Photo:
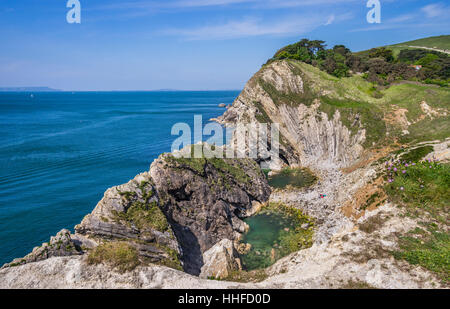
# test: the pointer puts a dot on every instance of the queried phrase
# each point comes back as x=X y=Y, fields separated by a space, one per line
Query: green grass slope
x=439 y=42
x=377 y=109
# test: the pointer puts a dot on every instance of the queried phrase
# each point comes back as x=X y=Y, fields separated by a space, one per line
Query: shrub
x=384 y=67
x=119 y=255
x=381 y=52
x=144 y=214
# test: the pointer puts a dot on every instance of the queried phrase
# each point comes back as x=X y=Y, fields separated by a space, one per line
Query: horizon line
x=151 y=90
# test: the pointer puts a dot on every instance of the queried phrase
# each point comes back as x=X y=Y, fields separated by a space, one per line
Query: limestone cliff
x=282 y=93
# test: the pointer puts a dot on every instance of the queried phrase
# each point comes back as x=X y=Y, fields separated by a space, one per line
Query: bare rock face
x=281 y=93
x=59 y=245
x=205 y=200
x=131 y=211
x=220 y=260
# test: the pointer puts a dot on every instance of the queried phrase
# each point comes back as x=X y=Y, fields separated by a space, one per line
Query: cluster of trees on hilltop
x=378 y=65
x=314 y=52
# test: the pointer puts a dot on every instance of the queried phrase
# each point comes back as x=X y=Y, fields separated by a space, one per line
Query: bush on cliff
x=144 y=214
x=119 y=255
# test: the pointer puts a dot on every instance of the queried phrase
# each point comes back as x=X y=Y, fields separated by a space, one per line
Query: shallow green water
x=266 y=230
x=294 y=177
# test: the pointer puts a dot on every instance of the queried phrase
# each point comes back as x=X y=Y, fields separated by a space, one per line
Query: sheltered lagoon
x=291 y=177
x=275 y=231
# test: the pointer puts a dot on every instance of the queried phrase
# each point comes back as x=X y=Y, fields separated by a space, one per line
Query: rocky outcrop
x=59 y=245
x=205 y=200
x=131 y=211
x=220 y=260
x=353 y=259
x=350 y=255
x=171 y=215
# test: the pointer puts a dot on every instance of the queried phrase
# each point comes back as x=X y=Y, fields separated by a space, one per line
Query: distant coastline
x=47 y=89
x=28 y=89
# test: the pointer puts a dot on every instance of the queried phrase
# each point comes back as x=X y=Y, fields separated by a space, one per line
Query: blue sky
x=187 y=44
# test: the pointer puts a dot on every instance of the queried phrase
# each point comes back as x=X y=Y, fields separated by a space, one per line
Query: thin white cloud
x=152 y=5
x=333 y=19
x=402 y=21
x=330 y=20
x=260 y=4
x=249 y=27
x=302 y=3
x=414 y=19
x=202 y=3
x=379 y=27
x=435 y=10
x=401 y=18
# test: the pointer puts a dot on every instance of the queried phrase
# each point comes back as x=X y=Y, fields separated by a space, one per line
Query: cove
x=294 y=177
x=275 y=232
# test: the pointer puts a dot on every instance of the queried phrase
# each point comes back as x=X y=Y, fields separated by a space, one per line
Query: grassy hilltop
x=394 y=101
x=441 y=42
x=382 y=65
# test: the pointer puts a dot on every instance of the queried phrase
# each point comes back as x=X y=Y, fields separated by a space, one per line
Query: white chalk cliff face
x=344 y=251
x=307 y=135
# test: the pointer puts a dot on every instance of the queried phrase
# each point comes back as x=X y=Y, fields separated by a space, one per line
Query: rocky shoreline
x=187 y=214
x=158 y=214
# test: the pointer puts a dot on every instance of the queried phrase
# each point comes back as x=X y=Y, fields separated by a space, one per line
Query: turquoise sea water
x=60 y=151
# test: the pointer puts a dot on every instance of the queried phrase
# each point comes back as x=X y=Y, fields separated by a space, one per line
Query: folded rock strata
x=281 y=93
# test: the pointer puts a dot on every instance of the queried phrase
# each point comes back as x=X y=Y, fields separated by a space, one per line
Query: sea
x=60 y=151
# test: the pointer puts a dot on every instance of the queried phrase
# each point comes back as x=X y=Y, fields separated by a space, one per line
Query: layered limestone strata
x=279 y=93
